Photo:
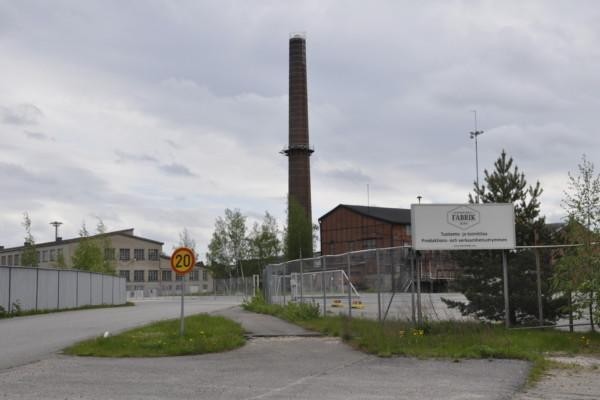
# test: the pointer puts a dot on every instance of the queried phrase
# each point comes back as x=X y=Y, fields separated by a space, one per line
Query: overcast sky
x=158 y=115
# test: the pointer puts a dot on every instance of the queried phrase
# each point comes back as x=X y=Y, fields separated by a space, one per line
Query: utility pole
x=474 y=135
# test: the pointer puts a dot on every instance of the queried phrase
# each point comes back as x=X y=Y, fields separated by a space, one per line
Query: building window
x=44 y=255
x=37 y=256
x=59 y=253
x=138 y=254
x=166 y=276
x=124 y=274
x=152 y=276
x=205 y=287
x=3 y=260
x=178 y=277
x=10 y=258
x=109 y=253
x=204 y=275
x=152 y=254
x=408 y=231
x=53 y=255
x=370 y=243
x=194 y=276
x=124 y=254
x=138 y=276
x=17 y=259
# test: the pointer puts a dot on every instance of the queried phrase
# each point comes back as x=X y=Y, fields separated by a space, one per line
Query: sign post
x=183 y=260
x=489 y=226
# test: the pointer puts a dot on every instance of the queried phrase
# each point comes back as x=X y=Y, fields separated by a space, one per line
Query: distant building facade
x=139 y=260
x=352 y=228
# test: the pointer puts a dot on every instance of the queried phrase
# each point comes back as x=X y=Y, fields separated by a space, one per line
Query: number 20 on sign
x=183 y=260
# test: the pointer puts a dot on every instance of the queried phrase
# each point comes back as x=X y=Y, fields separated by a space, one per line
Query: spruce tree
x=481 y=271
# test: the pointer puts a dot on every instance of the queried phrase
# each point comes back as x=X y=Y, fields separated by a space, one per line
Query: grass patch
x=203 y=334
x=17 y=312
x=449 y=339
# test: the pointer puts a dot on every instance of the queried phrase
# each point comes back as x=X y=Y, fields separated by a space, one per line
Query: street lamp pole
x=474 y=135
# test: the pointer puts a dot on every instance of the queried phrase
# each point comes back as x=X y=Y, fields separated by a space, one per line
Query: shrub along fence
x=55 y=289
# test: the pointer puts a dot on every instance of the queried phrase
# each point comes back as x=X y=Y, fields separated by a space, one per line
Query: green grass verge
x=452 y=339
x=17 y=312
x=203 y=334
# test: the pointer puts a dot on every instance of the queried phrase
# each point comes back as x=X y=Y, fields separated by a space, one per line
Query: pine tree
x=481 y=271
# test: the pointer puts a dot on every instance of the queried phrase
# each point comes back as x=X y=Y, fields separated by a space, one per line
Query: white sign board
x=463 y=226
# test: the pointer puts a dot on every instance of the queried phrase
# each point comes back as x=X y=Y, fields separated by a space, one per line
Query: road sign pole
x=183 y=261
x=182 y=323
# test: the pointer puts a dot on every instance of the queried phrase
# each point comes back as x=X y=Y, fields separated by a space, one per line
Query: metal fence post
x=506 y=301
x=301 y=278
x=348 y=260
x=9 y=289
x=76 y=288
x=378 y=285
x=323 y=284
x=58 y=291
x=419 y=310
x=538 y=271
x=412 y=285
x=283 y=282
x=37 y=287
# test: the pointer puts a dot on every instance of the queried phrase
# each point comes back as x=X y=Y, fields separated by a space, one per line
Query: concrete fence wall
x=57 y=289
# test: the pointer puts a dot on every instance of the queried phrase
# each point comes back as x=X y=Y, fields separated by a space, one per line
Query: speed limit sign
x=183 y=260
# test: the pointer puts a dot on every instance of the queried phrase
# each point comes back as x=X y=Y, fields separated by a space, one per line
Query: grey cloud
x=176 y=169
x=68 y=184
x=172 y=144
x=349 y=175
x=22 y=114
x=123 y=157
x=37 y=135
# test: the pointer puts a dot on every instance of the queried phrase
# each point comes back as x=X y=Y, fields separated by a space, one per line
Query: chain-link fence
x=397 y=283
x=236 y=286
x=375 y=283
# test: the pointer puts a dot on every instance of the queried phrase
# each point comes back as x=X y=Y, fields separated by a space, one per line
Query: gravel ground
x=581 y=380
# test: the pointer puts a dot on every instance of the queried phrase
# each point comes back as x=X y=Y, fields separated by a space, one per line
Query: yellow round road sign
x=183 y=260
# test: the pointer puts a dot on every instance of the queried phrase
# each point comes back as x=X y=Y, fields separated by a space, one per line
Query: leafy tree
x=299 y=234
x=104 y=242
x=264 y=243
x=186 y=240
x=481 y=271
x=29 y=257
x=60 y=261
x=578 y=271
x=228 y=245
x=90 y=252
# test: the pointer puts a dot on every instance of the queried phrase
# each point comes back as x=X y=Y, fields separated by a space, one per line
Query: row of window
x=166 y=276
x=125 y=254
x=52 y=255
x=42 y=256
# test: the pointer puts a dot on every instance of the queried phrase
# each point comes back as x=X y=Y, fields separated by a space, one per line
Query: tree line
x=570 y=275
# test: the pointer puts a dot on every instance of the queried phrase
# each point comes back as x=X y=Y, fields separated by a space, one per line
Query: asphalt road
x=272 y=367
x=27 y=339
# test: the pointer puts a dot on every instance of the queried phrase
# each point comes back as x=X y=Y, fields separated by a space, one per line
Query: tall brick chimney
x=299 y=150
